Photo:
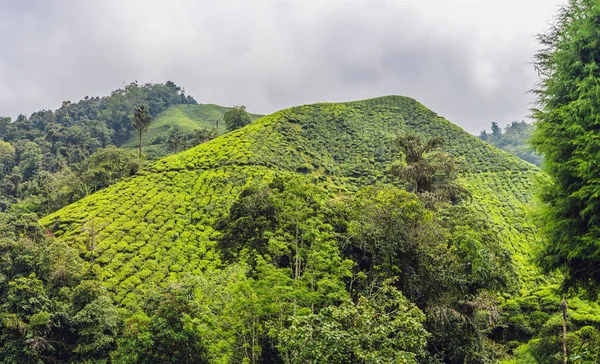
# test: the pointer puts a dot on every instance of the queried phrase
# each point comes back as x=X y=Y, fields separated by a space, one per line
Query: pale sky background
x=468 y=60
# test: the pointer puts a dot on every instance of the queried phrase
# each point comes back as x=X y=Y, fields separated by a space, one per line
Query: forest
x=144 y=227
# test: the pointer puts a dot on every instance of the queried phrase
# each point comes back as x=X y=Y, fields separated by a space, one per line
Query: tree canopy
x=236 y=118
x=567 y=122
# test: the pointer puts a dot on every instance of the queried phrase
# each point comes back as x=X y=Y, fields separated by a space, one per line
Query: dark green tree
x=496 y=131
x=236 y=118
x=566 y=136
x=165 y=332
x=106 y=166
x=7 y=157
x=48 y=313
x=383 y=327
x=141 y=122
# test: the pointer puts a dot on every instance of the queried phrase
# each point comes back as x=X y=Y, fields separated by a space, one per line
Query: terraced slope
x=185 y=117
x=157 y=225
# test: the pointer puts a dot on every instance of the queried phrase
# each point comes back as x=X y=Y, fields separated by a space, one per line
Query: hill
x=185 y=118
x=513 y=139
x=347 y=144
x=160 y=225
x=43 y=157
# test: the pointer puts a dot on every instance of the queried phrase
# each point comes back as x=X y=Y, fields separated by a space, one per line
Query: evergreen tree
x=566 y=136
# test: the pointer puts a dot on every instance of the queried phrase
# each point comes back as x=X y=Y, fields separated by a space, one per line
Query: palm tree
x=141 y=122
x=428 y=170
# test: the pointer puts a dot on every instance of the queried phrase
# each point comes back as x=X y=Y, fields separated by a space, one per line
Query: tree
x=444 y=261
x=383 y=327
x=496 y=131
x=141 y=122
x=48 y=313
x=236 y=118
x=429 y=171
x=107 y=166
x=177 y=139
x=7 y=156
x=566 y=130
x=165 y=332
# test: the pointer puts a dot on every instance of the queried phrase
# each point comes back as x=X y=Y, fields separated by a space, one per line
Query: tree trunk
x=140 y=144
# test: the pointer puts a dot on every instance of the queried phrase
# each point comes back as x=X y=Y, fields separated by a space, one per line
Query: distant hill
x=513 y=139
x=185 y=118
x=43 y=155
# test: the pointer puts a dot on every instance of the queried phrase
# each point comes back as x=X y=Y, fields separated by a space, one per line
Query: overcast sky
x=468 y=60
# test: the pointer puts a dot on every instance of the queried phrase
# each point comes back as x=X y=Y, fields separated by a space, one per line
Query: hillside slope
x=156 y=226
x=185 y=118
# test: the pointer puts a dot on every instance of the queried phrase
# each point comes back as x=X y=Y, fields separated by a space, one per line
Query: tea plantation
x=157 y=225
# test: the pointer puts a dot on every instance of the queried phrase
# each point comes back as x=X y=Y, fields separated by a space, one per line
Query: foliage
x=107 y=166
x=444 y=262
x=38 y=154
x=49 y=310
x=535 y=318
x=429 y=172
x=565 y=135
x=259 y=216
x=236 y=118
x=164 y=332
x=514 y=139
x=381 y=328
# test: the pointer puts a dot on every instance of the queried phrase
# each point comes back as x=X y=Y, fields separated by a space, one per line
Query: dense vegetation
x=54 y=158
x=372 y=231
x=513 y=139
x=284 y=230
x=567 y=136
x=43 y=156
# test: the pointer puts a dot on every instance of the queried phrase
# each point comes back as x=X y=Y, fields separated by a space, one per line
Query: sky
x=467 y=60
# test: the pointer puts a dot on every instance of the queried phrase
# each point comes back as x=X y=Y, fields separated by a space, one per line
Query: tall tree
x=566 y=135
x=141 y=122
x=236 y=118
x=7 y=156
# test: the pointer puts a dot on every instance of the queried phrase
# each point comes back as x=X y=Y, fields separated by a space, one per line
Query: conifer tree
x=567 y=136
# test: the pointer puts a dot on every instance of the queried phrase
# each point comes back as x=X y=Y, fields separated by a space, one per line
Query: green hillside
x=160 y=224
x=185 y=118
